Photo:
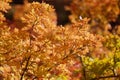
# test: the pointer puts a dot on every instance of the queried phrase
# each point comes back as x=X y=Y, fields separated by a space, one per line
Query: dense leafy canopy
x=34 y=47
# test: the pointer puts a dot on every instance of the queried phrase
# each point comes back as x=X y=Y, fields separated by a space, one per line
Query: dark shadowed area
x=62 y=14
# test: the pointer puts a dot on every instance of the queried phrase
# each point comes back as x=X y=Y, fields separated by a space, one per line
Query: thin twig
x=26 y=67
x=83 y=68
x=28 y=60
x=71 y=53
x=104 y=77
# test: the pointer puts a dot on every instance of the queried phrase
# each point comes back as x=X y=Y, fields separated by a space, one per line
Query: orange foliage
x=37 y=48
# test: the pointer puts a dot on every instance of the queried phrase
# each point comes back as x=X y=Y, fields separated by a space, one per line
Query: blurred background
x=62 y=14
x=59 y=5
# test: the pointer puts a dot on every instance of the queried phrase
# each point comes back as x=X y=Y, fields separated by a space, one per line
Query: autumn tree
x=101 y=13
x=35 y=47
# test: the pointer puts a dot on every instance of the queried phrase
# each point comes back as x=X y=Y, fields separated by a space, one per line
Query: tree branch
x=104 y=77
x=26 y=67
x=83 y=68
x=28 y=59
